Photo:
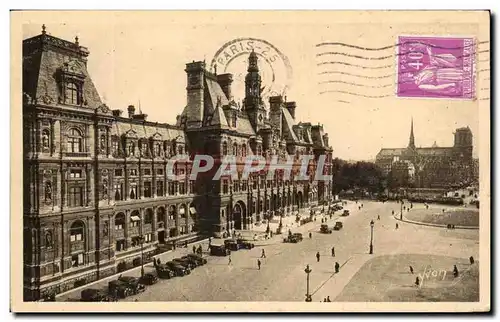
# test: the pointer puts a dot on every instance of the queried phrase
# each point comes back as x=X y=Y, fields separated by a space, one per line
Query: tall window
x=157 y=149
x=147 y=189
x=235 y=149
x=159 y=188
x=130 y=148
x=76 y=231
x=119 y=221
x=224 y=148
x=182 y=188
x=244 y=150
x=118 y=191
x=72 y=94
x=114 y=146
x=225 y=187
x=133 y=192
x=75 y=197
x=74 y=141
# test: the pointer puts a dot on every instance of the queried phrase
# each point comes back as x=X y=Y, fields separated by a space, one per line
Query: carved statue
x=48 y=239
x=48 y=191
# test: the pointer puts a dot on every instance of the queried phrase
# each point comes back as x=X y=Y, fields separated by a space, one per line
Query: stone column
x=126 y=228
x=154 y=237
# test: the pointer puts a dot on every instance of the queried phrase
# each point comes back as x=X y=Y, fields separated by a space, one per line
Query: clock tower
x=253 y=103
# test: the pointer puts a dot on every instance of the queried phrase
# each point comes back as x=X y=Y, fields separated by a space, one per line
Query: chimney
x=195 y=73
x=290 y=106
x=325 y=139
x=131 y=111
x=117 y=113
x=225 y=81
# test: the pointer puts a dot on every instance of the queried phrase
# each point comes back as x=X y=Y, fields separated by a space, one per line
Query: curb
x=138 y=268
x=431 y=225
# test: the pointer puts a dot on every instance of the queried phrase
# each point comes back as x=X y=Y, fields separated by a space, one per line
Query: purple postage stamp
x=436 y=67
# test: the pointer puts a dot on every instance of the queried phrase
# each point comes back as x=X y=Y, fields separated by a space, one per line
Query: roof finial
x=140 y=111
x=76 y=41
x=43 y=29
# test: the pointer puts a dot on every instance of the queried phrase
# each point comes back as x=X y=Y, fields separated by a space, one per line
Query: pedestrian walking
x=411 y=269
x=393 y=212
x=378 y=217
x=471 y=259
x=318 y=256
x=333 y=251
x=310 y=235
x=455 y=271
x=263 y=254
x=229 y=262
x=337 y=267
x=417 y=281
x=397 y=225
x=258 y=263
x=194 y=249
x=328 y=299
x=324 y=300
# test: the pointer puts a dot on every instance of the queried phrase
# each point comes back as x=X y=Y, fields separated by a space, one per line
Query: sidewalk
x=74 y=294
x=397 y=217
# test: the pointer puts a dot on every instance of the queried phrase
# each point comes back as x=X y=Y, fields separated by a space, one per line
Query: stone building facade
x=95 y=185
x=431 y=167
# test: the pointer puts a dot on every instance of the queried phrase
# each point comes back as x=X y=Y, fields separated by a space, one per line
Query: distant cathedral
x=431 y=167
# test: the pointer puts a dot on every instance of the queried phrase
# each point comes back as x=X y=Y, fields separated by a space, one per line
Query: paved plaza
x=282 y=276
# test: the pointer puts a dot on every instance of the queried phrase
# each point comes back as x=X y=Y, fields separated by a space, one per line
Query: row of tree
x=359 y=175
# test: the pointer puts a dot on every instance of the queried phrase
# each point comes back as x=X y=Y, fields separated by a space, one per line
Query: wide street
x=282 y=276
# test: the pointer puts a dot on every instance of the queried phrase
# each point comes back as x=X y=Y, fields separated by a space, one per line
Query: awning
x=135 y=218
x=192 y=210
x=181 y=211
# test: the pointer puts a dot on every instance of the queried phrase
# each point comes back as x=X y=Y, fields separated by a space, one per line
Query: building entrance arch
x=239 y=215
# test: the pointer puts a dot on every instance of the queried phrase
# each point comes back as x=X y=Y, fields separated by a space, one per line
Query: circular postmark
x=274 y=66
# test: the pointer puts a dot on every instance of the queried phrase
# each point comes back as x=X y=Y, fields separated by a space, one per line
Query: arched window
x=77 y=231
x=148 y=217
x=45 y=139
x=120 y=221
x=72 y=94
x=224 y=148
x=235 y=149
x=75 y=140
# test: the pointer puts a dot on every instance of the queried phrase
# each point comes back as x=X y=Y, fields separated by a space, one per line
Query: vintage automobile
x=163 y=271
x=148 y=279
x=324 y=229
x=293 y=238
x=178 y=269
x=120 y=289
x=232 y=245
x=338 y=225
x=134 y=283
x=185 y=262
x=346 y=213
x=197 y=258
x=219 y=250
x=94 y=295
x=245 y=243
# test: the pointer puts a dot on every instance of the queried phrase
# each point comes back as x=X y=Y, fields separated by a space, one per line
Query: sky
x=139 y=58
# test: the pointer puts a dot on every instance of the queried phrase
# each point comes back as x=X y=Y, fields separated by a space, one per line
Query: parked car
x=94 y=295
x=200 y=260
x=194 y=262
x=325 y=229
x=185 y=262
x=164 y=271
x=149 y=279
x=178 y=269
x=232 y=245
x=338 y=225
x=346 y=213
x=245 y=243
x=219 y=250
x=134 y=283
x=120 y=289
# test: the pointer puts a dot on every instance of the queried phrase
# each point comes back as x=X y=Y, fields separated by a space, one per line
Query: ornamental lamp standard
x=141 y=240
x=371 y=236
x=308 y=296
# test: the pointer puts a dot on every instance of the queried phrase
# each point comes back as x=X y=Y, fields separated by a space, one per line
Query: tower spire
x=411 y=144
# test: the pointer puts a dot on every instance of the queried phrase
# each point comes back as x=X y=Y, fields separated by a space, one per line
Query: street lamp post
x=142 y=255
x=371 y=236
x=401 y=215
x=308 y=296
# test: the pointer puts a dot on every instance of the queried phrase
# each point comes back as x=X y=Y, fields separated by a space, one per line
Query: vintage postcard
x=265 y=161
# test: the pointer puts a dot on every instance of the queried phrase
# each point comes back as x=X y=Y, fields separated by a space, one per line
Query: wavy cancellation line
x=393 y=46
x=355 y=65
x=363 y=85
x=328 y=72
x=334 y=53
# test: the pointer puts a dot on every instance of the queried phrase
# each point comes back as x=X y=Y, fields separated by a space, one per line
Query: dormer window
x=72 y=94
